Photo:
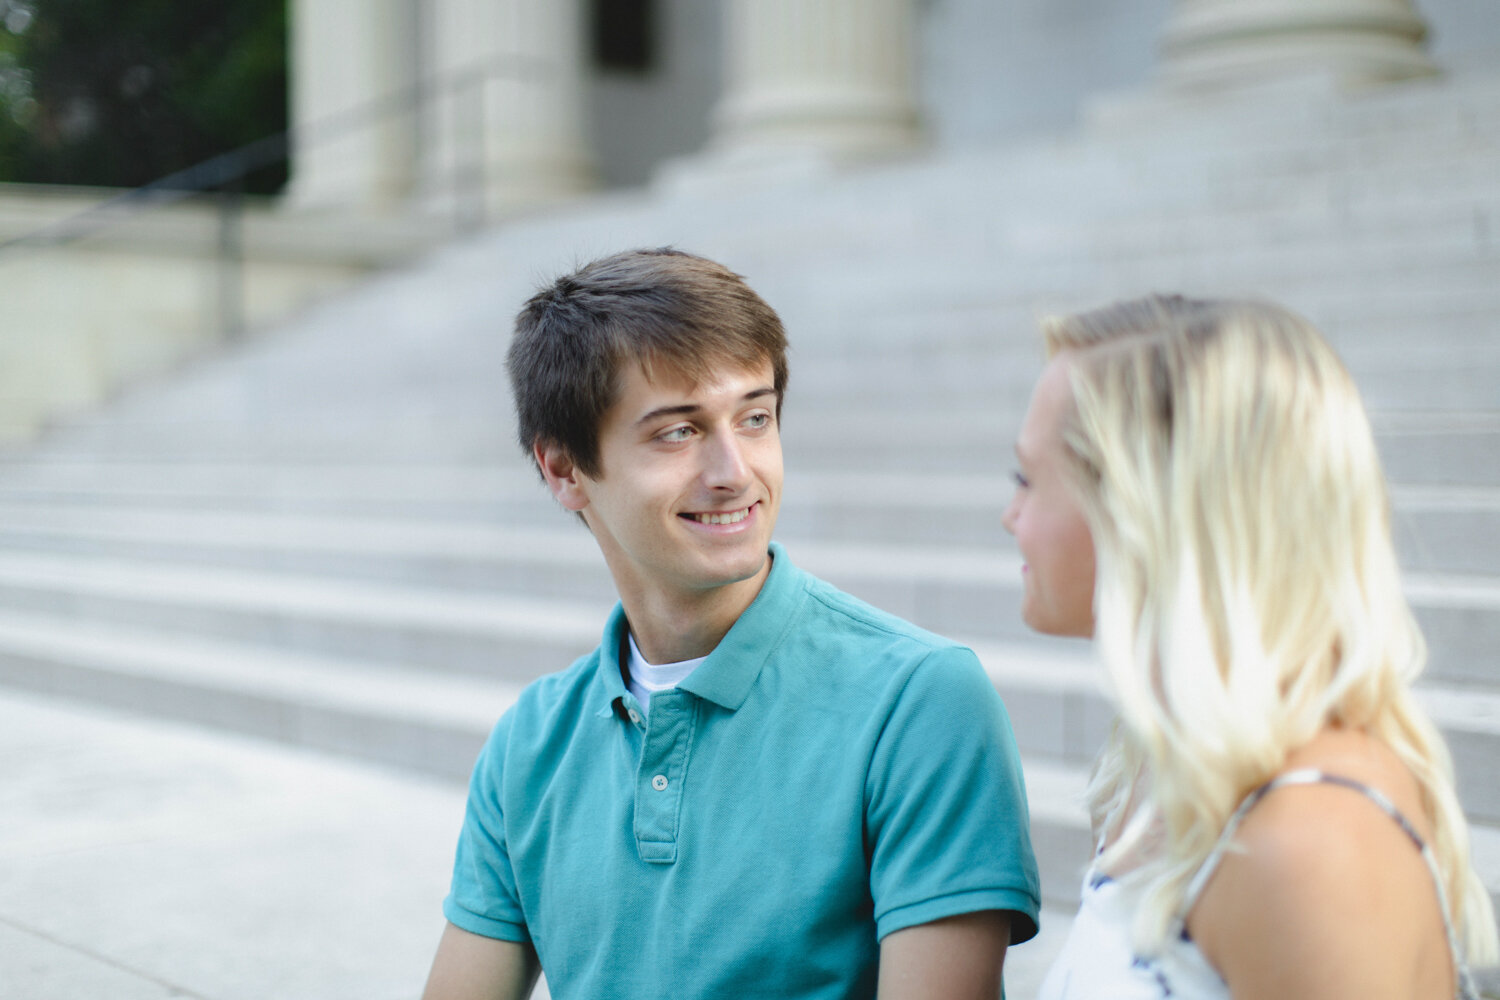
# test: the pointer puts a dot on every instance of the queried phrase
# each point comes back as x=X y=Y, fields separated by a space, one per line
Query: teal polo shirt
x=828 y=775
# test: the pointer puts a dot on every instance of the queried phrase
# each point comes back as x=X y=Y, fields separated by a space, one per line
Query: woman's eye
x=1021 y=481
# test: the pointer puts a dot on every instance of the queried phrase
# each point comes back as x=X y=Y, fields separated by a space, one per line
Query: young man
x=757 y=786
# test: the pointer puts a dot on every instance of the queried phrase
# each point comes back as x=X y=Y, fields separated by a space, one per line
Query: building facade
x=504 y=104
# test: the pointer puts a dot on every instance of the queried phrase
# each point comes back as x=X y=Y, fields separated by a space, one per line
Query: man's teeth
x=731 y=518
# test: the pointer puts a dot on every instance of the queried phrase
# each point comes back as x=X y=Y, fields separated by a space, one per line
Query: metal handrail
x=225 y=172
x=224 y=175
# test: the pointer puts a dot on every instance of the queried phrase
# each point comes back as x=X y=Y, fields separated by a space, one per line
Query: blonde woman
x=1198 y=491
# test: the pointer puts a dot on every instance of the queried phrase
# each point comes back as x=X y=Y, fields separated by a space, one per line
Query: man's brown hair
x=663 y=309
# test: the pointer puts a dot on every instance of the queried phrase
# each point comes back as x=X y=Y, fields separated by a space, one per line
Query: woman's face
x=1044 y=516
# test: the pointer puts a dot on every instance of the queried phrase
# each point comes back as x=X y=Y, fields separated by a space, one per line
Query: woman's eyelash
x=1021 y=480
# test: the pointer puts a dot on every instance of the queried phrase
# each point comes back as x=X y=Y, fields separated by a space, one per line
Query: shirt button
x=659 y=782
x=635 y=717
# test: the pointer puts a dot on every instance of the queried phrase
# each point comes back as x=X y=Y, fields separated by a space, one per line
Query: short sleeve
x=482 y=899
x=948 y=825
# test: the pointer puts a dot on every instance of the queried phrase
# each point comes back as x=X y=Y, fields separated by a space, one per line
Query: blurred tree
x=124 y=92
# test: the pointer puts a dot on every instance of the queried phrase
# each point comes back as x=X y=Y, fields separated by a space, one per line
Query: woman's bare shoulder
x=1318 y=895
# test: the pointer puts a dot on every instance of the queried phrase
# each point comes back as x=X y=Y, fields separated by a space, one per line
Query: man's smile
x=725 y=517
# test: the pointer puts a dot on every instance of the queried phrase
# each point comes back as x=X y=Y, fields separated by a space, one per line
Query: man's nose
x=726 y=464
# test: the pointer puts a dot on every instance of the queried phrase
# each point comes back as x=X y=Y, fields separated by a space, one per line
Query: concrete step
x=412 y=718
x=833 y=394
x=367 y=524
x=1059 y=710
x=1297 y=252
x=1190 y=163
x=351 y=585
x=419 y=720
x=422 y=537
x=510 y=636
x=466 y=491
x=549 y=593
x=308 y=422
x=999 y=385
x=439 y=547
x=1455 y=448
x=1000 y=324
x=1445 y=228
x=1452 y=374
x=501 y=554
x=1332 y=296
x=977 y=594
x=1447 y=529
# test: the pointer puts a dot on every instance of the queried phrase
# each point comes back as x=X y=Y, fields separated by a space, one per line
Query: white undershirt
x=648 y=678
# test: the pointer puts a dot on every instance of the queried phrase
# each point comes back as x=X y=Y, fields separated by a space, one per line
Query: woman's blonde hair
x=1247 y=594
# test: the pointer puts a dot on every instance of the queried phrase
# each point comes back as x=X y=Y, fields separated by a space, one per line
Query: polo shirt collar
x=727 y=676
x=730 y=671
x=610 y=677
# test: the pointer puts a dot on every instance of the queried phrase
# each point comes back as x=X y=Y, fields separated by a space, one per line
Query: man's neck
x=670 y=628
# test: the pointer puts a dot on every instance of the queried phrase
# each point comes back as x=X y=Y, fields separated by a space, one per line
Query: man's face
x=689 y=483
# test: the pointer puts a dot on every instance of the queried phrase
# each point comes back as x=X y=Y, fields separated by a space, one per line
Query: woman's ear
x=562 y=475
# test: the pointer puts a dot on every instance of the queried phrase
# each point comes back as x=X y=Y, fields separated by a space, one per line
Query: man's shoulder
x=562 y=693
x=862 y=621
x=851 y=640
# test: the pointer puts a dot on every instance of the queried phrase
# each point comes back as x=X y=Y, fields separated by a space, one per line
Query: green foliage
x=125 y=92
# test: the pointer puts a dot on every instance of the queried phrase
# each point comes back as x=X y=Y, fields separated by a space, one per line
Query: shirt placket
x=661 y=776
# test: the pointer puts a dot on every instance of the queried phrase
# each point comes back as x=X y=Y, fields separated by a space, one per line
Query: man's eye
x=758 y=420
x=676 y=435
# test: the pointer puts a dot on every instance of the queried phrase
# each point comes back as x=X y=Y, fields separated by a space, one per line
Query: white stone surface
x=830 y=76
x=144 y=861
x=353 y=64
x=1218 y=43
x=506 y=130
x=149 y=860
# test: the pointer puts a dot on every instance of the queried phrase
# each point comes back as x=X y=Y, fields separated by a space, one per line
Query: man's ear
x=562 y=475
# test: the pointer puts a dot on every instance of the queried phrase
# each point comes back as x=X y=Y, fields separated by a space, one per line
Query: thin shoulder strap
x=1313 y=776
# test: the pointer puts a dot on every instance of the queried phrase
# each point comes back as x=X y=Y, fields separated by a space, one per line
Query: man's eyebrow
x=680 y=410
x=684 y=409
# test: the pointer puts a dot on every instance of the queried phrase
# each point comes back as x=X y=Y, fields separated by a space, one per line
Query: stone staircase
x=329 y=538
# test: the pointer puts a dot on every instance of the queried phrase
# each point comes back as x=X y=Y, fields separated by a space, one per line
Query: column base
x=1217 y=46
x=798 y=136
x=846 y=124
x=505 y=190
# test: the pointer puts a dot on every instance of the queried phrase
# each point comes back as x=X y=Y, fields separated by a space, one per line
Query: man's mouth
x=726 y=517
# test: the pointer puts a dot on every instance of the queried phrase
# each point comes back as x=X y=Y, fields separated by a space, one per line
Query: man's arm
x=471 y=967
x=957 y=958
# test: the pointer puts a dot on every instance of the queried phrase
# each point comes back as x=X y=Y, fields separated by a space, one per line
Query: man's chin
x=728 y=572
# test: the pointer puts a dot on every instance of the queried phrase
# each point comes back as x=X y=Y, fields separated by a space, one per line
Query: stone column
x=834 y=77
x=353 y=63
x=1219 y=43
x=507 y=123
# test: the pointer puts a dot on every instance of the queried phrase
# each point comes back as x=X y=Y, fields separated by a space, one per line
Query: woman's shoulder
x=1343 y=782
x=1322 y=875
